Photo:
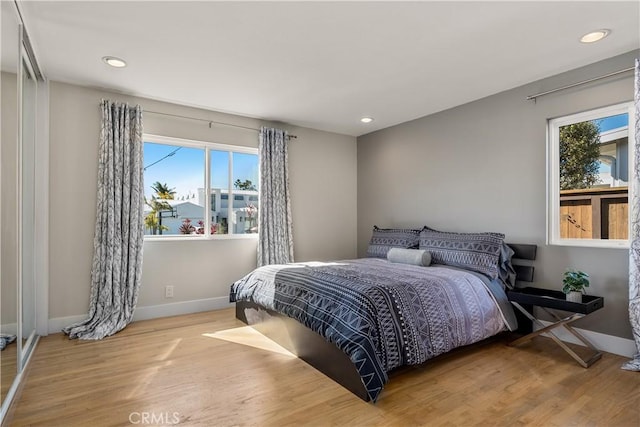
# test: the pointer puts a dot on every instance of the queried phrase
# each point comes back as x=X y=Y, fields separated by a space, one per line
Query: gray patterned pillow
x=384 y=239
x=474 y=251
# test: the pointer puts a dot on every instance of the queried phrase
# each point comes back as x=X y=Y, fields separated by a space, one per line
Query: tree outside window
x=579 y=154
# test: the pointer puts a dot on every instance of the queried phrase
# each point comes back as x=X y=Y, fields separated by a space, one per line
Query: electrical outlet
x=168 y=291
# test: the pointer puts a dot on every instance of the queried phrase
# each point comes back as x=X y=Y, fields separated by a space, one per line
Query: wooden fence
x=595 y=213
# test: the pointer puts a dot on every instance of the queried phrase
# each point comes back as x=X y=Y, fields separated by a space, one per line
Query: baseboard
x=57 y=323
x=9 y=329
x=183 y=307
x=609 y=343
x=152 y=311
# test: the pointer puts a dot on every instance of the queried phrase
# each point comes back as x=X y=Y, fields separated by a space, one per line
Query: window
x=589 y=170
x=182 y=177
x=234 y=178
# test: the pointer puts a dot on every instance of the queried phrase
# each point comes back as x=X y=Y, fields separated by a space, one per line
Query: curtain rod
x=615 y=73
x=211 y=122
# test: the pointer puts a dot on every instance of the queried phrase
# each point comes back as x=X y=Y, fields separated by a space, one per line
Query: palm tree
x=246 y=185
x=163 y=191
x=151 y=223
x=152 y=220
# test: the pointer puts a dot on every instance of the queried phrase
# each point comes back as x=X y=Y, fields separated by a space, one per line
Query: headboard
x=523 y=252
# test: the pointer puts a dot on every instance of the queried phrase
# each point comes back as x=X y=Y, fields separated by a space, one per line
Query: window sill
x=200 y=238
x=584 y=243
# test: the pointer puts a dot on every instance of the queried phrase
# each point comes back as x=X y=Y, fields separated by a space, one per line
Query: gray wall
x=482 y=167
x=323 y=191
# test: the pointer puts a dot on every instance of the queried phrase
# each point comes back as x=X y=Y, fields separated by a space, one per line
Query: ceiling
x=323 y=65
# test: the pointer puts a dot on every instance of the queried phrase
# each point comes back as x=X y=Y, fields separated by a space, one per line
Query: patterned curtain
x=634 y=250
x=119 y=232
x=274 y=214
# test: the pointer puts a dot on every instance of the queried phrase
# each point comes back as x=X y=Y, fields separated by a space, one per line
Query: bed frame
x=324 y=355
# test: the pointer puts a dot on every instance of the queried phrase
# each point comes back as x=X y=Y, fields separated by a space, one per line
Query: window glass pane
x=245 y=189
x=219 y=164
x=174 y=189
x=594 y=178
x=613 y=162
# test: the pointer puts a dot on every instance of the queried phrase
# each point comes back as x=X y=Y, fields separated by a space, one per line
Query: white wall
x=482 y=167
x=323 y=191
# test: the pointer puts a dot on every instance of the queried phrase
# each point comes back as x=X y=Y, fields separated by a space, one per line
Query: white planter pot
x=574 y=296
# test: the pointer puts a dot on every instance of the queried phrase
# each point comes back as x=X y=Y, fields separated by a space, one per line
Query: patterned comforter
x=382 y=315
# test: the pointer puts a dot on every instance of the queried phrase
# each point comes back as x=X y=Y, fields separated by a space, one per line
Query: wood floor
x=207 y=369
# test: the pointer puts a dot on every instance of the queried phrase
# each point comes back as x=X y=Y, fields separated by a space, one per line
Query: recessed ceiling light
x=366 y=120
x=594 y=36
x=114 y=62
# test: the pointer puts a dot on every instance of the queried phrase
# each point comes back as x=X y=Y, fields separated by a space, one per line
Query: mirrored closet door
x=27 y=198
x=23 y=157
x=9 y=198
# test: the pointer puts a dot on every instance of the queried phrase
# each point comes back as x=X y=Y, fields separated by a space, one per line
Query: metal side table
x=548 y=300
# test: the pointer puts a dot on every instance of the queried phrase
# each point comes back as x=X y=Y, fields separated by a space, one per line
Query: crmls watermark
x=155 y=418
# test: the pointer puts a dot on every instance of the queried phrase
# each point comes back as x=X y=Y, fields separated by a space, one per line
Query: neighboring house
x=244 y=208
x=180 y=210
x=614 y=155
x=244 y=211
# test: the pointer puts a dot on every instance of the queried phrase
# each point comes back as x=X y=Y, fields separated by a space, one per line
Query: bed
x=357 y=320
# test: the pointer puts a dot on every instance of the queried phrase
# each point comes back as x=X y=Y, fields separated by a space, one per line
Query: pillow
x=409 y=256
x=383 y=239
x=473 y=251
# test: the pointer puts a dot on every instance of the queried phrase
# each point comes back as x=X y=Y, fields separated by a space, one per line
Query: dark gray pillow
x=383 y=239
x=473 y=251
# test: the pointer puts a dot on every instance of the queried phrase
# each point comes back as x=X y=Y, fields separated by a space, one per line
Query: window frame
x=207 y=147
x=553 y=173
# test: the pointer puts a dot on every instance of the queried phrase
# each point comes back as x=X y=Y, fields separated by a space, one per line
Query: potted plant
x=574 y=284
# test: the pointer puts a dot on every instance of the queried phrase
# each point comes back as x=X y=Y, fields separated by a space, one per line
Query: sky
x=613 y=122
x=184 y=170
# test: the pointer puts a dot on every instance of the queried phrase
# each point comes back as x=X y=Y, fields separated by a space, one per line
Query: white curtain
x=119 y=231
x=274 y=214
x=634 y=250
